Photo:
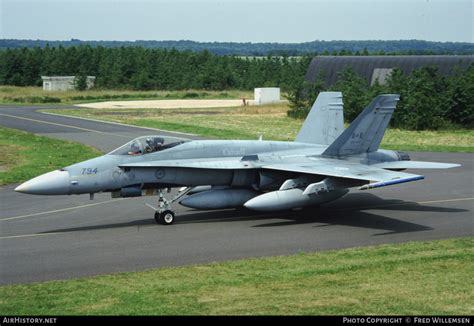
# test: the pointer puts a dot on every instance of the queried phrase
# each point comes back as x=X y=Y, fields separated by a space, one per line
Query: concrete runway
x=59 y=237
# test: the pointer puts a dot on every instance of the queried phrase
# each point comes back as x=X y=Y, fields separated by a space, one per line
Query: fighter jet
x=320 y=166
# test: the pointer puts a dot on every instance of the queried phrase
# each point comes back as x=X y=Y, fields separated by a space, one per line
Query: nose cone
x=52 y=183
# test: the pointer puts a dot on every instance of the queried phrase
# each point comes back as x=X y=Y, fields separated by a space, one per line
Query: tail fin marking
x=366 y=132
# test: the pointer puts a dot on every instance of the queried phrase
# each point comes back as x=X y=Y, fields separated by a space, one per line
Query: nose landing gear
x=164 y=214
x=165 y=218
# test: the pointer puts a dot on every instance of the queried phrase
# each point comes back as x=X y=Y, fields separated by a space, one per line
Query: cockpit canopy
x=144 y=145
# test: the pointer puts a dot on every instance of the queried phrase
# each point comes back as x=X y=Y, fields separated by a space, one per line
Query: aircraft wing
x=348 y=170
x=324 y=167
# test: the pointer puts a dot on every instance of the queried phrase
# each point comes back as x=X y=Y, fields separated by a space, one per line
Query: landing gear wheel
x=165 y=218
x=163 y=213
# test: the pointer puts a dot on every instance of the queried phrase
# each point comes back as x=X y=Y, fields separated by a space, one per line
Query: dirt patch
x=165 y=104
x=9 y=156
x=155 y=113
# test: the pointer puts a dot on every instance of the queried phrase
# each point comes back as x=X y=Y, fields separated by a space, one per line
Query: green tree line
x=143 y=69
x=262 y=49
x=428 y=100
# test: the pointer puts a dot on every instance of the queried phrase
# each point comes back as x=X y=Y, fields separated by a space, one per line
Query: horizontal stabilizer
x=396 y=165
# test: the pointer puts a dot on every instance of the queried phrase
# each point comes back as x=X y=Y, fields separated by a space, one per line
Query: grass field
x=270 y=121
x=416 y=278
x=36 y=95
x=24 y=155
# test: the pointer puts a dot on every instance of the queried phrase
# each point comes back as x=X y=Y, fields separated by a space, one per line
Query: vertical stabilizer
x=325 y=121
x=366 y=132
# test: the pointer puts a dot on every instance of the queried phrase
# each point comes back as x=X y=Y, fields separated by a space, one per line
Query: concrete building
x=63 y=83
x=374 y=68
x=266 y=95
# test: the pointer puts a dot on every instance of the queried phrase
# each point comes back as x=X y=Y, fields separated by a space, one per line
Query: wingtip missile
x=389 y=183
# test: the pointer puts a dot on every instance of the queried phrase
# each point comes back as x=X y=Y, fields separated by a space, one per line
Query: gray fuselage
x=104 y=174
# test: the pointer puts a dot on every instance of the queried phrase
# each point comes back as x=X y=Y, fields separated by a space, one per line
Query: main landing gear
x=164 y=214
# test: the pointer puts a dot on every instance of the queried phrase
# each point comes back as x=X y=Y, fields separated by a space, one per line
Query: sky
x=280 y=21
